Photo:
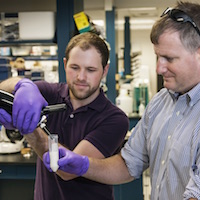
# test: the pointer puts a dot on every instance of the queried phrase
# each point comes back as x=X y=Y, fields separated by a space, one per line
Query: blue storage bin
x=4 y=61
x=37 y=75
x=5 y=72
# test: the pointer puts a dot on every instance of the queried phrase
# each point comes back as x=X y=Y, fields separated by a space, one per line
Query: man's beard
x=82 y=96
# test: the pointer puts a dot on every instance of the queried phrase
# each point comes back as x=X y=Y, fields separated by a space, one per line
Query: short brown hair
x=188 y=35
x=87 y=40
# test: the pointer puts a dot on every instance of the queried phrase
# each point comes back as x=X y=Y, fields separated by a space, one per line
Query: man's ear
x=105 y=71
x=65 y=62
x=198 y=54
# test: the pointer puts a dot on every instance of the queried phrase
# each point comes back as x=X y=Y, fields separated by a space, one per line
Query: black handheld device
x=6 y=102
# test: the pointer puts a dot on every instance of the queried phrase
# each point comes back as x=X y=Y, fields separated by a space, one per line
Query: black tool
x=53 y=108
x=6 y=102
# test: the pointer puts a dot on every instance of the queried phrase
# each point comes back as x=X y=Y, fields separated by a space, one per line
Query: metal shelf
x=27 y=43
x=33 y=58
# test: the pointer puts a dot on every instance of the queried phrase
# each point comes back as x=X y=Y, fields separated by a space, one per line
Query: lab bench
x=17 y=176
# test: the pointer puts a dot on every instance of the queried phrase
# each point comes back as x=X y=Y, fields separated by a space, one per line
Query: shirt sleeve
x=134 y=152
x=193 y=187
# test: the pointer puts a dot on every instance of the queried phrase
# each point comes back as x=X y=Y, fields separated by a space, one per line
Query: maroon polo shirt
x=100 y=122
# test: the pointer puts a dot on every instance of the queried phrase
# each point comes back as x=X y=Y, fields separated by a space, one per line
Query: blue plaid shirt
x=167 y=140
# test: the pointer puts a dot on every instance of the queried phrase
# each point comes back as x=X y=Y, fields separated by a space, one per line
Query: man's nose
x=161 y=66
x=81 y=75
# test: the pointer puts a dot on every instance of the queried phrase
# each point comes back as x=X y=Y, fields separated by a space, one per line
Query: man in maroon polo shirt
x=90 y=126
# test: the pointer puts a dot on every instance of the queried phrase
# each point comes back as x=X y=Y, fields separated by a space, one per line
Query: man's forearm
x=8 y=85
x=110 y=170
x=38 y=141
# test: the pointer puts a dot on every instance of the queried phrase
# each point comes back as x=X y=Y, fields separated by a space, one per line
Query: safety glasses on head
x=180 y=16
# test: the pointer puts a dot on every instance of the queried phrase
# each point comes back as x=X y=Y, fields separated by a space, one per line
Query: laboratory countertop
x=18 y=158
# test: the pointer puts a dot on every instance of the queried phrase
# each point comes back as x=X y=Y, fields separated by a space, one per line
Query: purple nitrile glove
x=69 y=162
x=72 y=163
x=6 y=120
x=27 y=105
x=46 y=161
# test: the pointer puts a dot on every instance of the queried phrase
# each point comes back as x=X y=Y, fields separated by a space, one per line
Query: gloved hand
x=27 y=105
x=6 y=120
x=69 y=162
x=46 y=161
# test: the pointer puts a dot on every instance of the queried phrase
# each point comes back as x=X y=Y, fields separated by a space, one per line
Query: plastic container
x=124 y=101
x=36 y=25
x=141 y=108
x=53 y=152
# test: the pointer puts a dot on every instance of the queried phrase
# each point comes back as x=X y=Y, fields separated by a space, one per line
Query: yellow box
x=81 y=21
